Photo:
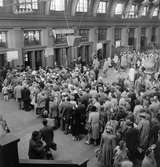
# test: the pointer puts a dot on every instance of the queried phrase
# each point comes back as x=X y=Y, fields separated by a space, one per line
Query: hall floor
x=22 y=124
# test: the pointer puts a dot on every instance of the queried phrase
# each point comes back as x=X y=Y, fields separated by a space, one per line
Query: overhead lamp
x=146 y=2
x=155 y=2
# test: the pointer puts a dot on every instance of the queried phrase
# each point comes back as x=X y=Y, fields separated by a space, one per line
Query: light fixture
x=146 y=2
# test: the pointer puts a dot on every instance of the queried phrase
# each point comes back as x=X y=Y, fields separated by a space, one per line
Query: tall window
x=3 y=39
x=143 y=32
x=153 y=37
x=1 y=3
x=57 y=5
x=144 y=11
x=28 y=4
x=102 y=7
x=132 y=10
x=117 y=34
x=102 y=32
x=82 y=6
x=155 y=12
x=119 y=9
x=84 y=33
x=32 y=37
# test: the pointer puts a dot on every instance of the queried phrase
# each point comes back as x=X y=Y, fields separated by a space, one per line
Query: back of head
x=126 y=164
x=35 y=134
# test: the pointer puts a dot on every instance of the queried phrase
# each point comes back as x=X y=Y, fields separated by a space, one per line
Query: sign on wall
x=99 y=46
x=49 y=52
x=12 y=55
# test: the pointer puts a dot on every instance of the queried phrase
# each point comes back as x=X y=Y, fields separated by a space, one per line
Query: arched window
x=82 y=6
x=132 y=11
x=155 y=12
x=102 y=7
x=119 y=9
x=1 y=3
x=144 y=10
x=57 y=5
x=28 y=4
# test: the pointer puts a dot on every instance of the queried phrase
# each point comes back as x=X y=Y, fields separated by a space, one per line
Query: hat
x=109 y=128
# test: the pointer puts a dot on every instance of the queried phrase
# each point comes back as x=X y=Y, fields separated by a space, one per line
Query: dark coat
x=132 y=143
x=47 y=134
x=157 y=153
x=25 y=94
x=36 y=150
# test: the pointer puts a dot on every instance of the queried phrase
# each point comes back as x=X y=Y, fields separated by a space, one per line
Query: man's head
x=126 y=164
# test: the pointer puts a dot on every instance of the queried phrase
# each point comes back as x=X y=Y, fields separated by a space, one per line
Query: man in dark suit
x=47 y=135
x=67 y=113
x=132 y=141
x=26 y=98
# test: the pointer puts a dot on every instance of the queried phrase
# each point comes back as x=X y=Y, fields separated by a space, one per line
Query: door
x=28 y=59
x=2 y=60
x=38 y=59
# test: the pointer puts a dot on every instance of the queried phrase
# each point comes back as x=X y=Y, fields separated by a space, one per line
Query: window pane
x=1 y=3
x=3 y=39
x=119 y=9
x=101 y=7
x=57 y=5
x=34 y=4
x=155 y=12
x=82 y=6
x=28 y=4
x=144 y=11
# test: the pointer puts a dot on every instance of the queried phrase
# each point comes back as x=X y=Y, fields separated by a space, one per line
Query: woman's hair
x=121 y=144
x=35 y=134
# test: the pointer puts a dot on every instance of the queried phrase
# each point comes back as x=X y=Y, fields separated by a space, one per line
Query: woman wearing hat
x=107 y=145
x=93 y=121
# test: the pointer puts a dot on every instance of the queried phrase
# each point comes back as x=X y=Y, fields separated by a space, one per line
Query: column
x=33 y=60
x=148 y=35
x=137 y=36
x=47 y=41
x=93 y=37
x=124 y=36
x=110 y=34
x=158 y=35
x=16 y=42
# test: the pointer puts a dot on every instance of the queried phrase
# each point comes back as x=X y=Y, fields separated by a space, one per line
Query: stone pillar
x=93 y=37
x=137 y=36
x=47 y=40
x=148 y=35
x=74 y=53
x=33 y=60
x=110 y=34
x=158 y=35
x=124 y=36
x=16 y=42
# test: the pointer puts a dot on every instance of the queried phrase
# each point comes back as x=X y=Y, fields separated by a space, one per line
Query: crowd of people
x=123 y=117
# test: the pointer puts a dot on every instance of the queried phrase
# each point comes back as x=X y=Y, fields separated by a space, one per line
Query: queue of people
x=122 y=117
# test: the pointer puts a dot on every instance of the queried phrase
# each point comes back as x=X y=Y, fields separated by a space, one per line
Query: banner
x=48 y=52
x=99 y=46
x=73 y=40
x=62 y=31
x=118 y=44
x=12 y=55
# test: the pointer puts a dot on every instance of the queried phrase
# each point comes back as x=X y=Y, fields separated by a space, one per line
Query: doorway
x=33 y=59
x=2 y=60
